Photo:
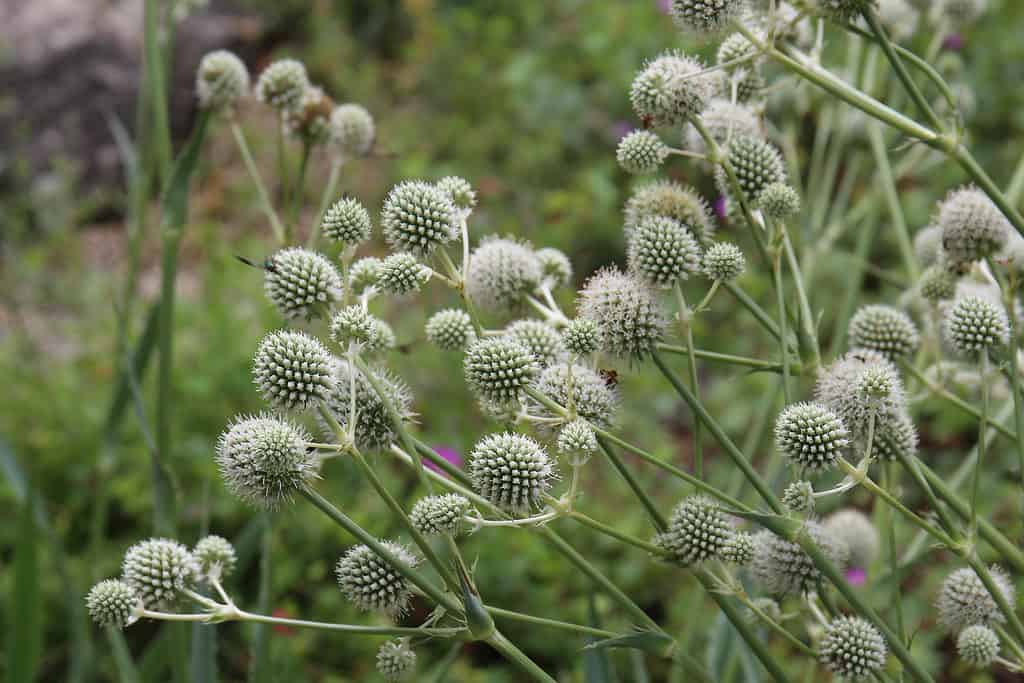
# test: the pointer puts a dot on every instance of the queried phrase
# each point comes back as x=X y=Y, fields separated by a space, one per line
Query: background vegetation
x=527 y=101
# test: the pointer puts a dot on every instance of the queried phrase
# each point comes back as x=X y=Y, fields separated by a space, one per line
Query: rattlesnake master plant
x=843 y=378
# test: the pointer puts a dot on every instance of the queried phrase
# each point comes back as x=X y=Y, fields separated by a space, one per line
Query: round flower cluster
x=301 y=283
x=592 y=397
x=221 y=80
x=292 y=370
x=976 y=324
x=972 y=226
x=964 y=601
x=441 y=514
x=582 y=337
x=450 y=329
x=577 y=442
x=697 y=531
x=157 y=570
x=498 y=369
x=352 y=130
x=396 y=661
x=756 y=165
x=283 y=84
x=375 y=429
x=672 y=200
x=798 y=497
x=112 y=602
x=310 y=121
x=811 y=435
x=723 y=120
x=502 y=273
x=400 y=274
x=459 y=191
x=512 y=471
x=779 y=201
x=629 y=315
x=739 y=548
x=783 y=567
x=372 y=582
x=724 y=262
x=555 y=267
x=641 y=152
x=978 y=645
x=542 y=340
x=671 y=89
x=705 y=16
x=347 y=222
x=854 y=529
x=215 y=556
x=884 y=329
x=263 y=459
x=418 y=217
x=853 y=648
x=662 y=251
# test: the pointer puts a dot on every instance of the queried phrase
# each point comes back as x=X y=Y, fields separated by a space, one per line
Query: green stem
x=330 y=189
x=660 y=523
x=517 y=657
x=755 y=363
x=156 y=87
x=342 y=520
x=612 y=532
x=261 y=189
x=730 y=448
x=1005 y=606
x=975 y=486
x=259 y=670
x=781 y=301
x=354 y=629
x=888 y=182
x=298 y=191
x=685 y=316
x=871 y=16
x=755 y=310
x=806 y=316
x=890 y=528
x=551 y=623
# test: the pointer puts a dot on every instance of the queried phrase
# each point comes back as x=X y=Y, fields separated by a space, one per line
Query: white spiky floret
x=292 y=370
x=502 y=272
x=372 y=583
x=418 y=217
x=264 y=460
x=352 y=129
x=301 y=283
x=511 y=470
x=670 y=89
x=158 y=569
x=629 y=314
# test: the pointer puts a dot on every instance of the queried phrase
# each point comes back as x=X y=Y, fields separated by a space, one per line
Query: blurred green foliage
x=527 y=100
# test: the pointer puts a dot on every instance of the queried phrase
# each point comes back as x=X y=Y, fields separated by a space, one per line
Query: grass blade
x=25 y=620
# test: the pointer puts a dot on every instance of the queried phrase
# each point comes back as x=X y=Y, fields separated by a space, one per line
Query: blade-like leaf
x=25 y=618
x=597 y=667
x=648 y=641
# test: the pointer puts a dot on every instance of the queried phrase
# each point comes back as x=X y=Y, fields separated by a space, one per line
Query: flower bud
x=592 y=397
x=577 y=442
x=441 y=514
x=582 y=337
x=459 y=191
x=964 y=601
x=451 y=330
x=401 y=274
x=937 y=283
x=282 y=84
x=724 y=262
x=672 y=200
x=542 y=340
x=157 y=569
x=310 y=121
x=756 y=164
x=976 y=324
x=738 y=549
x=779 y=201
x=221 y=80
x=364 y=273
x=396 y=661
x=418 y=217
x=972 y=226
x=215 y=556
x=555 y=267
x=352 y=130
x=799 y=497
x=347 y=222
x=663 y=251
x=112 y=603
x=640 y=152
x=884 y=329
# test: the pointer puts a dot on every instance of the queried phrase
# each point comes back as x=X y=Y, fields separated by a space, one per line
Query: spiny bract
x=511 y=470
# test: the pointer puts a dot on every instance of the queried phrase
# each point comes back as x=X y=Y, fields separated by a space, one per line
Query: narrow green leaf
x=126 y=671
x=597 y=667
x=25 y=619
x=203 y=659
x=648 y=641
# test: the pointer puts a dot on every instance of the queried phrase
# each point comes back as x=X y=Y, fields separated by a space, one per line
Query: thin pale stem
x=892 y=199
x=755 y=363
x=982 y=442
x=685 y=319
x=261 y=189
x=330 y=189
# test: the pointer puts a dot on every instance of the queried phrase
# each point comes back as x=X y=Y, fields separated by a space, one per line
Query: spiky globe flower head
x=112 y=603
x=964 y=601
x=582 y=336
x=668 y=90
x=371 y=582
x=543 y=340
x=738 y=549
x=697 y=531
x=221 y=80
x=555 y=267
x=811 y=435
x=756 y=164
x=512 y=471
x=459 y=191
x=672 y=200
x=301 y=283
x=592 y=397
x=215 y=556
x=884 y=329
x=978 y=645
x=853 y=648
x=799 y=497
x=845 y=10
x=396 y=661
x=779 y=201
x=374 y=429
x=577 y=442
x=742 y=81
x=354 y=325
x=863 y=385
x=928 y=245
x=975 y=324
x=640 y=152
x=401 y=274
x=497 y=369
x=263 y=459
x=724 y=262
x=364 y=273
x=502 y=272
x=855 y=529
x=662 y=251
x=723 y=119
x=937 y=283
x=347 y=222
x=157 y=569
x=441 y=514
x=311 y=120
x=419 y=216
x=450 y=330
x=705 y=16
x=972 y=226
x=783 y=567
x=282 y=84
x=631 y=319
x=352 y=129
x=292 y=370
